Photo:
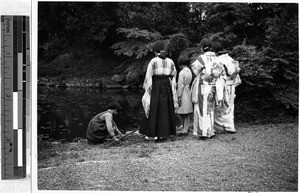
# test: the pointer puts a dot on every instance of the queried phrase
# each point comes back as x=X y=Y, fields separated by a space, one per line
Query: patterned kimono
x=160 y=99
x=224 y=115
x=208 y=72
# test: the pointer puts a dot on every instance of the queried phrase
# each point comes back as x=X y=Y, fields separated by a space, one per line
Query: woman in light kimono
x=224 y=115
x=185 y=105
x=208 y=73
x=160 y=99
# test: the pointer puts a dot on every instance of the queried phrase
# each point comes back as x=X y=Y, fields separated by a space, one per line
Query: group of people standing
x=205 y=88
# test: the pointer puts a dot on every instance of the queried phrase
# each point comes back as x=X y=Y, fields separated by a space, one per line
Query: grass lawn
x=256 y=158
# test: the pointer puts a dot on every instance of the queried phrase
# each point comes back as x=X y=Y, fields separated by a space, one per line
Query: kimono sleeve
x=173 y=84
x=197 y=66
x=148 y=78
x=173 y=73
x=180 y=84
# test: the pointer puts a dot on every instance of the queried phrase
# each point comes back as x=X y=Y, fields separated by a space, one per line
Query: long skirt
x=161 y=122
x=204 y=112
x=224 y=116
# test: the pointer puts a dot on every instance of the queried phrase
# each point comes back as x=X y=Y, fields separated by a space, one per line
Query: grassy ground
x=256 y=158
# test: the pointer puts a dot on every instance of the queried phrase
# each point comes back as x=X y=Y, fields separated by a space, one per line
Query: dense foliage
x=137 y=43
x=263 y=37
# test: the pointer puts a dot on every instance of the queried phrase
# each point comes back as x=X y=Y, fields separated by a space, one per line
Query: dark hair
x=183 y=60
x=160 y=48
x=114 y=105
x=217 y=48
x=205 y=44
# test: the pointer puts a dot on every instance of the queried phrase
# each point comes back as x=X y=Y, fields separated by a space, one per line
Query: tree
x=262 y=36
x=64 y=26
x=137 y=42
x=281 y=32
x=229 y=22
x=164 y=17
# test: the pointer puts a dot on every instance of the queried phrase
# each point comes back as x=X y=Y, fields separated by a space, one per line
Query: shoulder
x=170 y=63
x=181 y=73
x=209 y=53
x=225 y=57
x=107 y=114
x=169 y=60
x=188 y=70
x=153 y=60
x=185 y=72
x=201 y=59
x=229 y=57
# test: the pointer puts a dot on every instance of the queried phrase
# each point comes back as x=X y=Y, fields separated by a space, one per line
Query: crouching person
x=103 y=126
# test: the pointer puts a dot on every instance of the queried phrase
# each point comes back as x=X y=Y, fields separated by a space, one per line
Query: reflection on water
x=63 y=114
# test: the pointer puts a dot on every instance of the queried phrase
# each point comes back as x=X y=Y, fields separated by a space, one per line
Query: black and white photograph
x=167 y=96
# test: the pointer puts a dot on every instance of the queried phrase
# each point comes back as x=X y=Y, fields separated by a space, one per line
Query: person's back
x=224 y=114
x=208 y=70
x=184 y=95
x=212 y=69
x=160 y=95
x=186 y=75
x=161 y=66
x=96 y=130
x=232 y=69
x=183 y=84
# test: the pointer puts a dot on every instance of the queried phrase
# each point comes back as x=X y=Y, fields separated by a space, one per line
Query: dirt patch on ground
x=256 y=158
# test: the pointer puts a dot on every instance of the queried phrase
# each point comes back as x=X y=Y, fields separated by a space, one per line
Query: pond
x=63 y=114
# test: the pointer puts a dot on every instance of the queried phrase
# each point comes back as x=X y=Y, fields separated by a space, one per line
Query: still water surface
x=63 y=114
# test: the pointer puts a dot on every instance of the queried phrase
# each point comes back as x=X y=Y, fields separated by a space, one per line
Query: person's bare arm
x=109 y=123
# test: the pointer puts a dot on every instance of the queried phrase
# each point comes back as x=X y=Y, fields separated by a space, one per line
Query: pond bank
x=115 y=82
x=256 y=158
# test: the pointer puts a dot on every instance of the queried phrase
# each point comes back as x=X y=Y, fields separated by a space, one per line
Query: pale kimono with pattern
x=224 y=115
x=208 y=73
x=184 y=91
x=158 y=66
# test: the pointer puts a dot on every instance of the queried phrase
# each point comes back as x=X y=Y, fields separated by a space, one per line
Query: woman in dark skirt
x=159 y=100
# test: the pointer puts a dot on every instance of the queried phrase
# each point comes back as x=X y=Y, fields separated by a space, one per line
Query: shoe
x=213 y=136
x=230 y=132
x=150 y=138
x=203 y=137
x=161 y=140
x=182 y=134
